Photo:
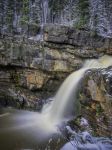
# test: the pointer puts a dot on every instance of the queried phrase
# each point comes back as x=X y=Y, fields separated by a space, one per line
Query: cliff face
x=86 y=43
x=27 y=66
x=72 y=32
x=96 y=100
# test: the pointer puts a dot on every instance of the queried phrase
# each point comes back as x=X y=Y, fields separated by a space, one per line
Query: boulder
x=96 y=100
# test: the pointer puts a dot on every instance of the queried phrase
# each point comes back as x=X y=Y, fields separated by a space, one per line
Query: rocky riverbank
x=31 y=70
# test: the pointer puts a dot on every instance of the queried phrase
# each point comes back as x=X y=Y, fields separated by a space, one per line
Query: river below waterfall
x=20 y=130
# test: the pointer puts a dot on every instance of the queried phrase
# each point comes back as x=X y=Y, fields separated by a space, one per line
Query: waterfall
x=60 y=108
x=65 y=101
x=66 y=95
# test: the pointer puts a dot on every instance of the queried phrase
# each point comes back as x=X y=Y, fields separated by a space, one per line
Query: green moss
x=24 y=20
x=25 y=11
x=58 y=5
x=83 y=5
x=80 y=24
x=94 y=133
x=99 y=110
x=25 y=8
x=15 y=78
x=83 y=11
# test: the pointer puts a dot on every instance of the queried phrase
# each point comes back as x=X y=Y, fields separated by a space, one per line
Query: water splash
x=65 y=100
x=59 y=109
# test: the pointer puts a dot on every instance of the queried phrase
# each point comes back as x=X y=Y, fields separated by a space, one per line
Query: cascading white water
x=59 y=109
x=66 y=95
x=31 y=127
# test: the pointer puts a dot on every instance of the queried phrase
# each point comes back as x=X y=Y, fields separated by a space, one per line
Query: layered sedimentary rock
x=31 y=70
x=96 y=100
x=86 y=43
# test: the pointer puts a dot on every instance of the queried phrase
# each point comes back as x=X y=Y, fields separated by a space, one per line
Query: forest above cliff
x=21 y=17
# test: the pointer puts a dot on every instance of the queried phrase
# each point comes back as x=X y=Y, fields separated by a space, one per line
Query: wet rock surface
x=32 y=67
x=31 y=71
x=41 y=43
x=96 y=100
x=85 y=42
x=26 y=88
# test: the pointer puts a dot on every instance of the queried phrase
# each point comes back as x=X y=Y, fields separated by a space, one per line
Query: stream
x=23 y=129
x=20 y=130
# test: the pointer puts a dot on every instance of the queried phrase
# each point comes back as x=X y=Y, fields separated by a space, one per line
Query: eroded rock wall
x=33 y=68
x=86 y=43
x=31 y=71
x=96 y=100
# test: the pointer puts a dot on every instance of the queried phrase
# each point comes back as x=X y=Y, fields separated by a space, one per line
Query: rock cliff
x=31 y=70
x=96 y=100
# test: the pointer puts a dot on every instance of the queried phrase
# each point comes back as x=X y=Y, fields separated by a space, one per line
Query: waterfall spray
x=59 y=109
x=66 y=95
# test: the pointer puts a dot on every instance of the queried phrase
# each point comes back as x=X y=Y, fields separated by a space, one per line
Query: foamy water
x=64 y=101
